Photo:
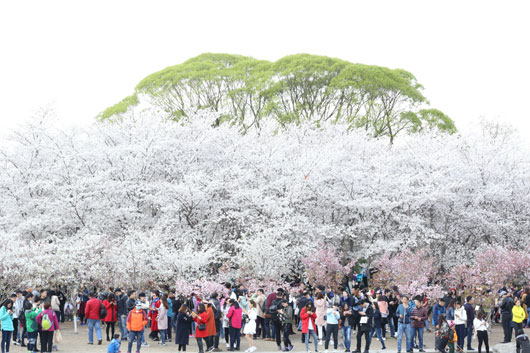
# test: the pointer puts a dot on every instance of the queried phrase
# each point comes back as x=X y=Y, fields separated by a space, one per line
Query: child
x=114 y=346
x=452 y=336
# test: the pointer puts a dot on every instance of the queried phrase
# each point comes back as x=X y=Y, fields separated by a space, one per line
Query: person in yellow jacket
x=136 y=321
x=518 y=315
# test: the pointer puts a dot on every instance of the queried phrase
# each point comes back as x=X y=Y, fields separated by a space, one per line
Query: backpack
x=216 y=313
x=272 y=312
x=46 y=323
x=102 y=311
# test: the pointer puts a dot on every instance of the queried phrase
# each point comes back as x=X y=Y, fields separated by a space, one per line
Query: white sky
x=81 y=56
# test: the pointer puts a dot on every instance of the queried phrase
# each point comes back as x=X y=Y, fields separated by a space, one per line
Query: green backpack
x=46 y=322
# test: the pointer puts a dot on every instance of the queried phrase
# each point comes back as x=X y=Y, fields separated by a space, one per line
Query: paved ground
x=78 y=343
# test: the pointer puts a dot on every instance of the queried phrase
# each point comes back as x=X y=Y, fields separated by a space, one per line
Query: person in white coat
x=250 y=326
x=460 y=321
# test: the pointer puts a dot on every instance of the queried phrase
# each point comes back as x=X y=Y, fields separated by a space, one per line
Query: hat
x=503 y=293
x=138 y=302
x=451 y=323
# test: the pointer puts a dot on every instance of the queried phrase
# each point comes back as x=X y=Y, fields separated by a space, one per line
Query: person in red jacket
x=112 y=314
x=234 y=316
x=153 y=314
x=202 y=320
x=308 y=317
x=210 y=325
x=92 y=310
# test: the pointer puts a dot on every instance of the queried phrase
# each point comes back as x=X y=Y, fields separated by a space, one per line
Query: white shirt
x=480 y=325
x=310 y=324
x=460 y=316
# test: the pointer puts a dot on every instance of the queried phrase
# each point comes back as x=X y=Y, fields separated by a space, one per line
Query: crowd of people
x=33 y=314
x=321 y=314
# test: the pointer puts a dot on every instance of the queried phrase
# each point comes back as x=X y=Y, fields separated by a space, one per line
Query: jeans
x=346 y=336
x=392 y=327
x=413 y=331
x=235 y=337
x=138 y=335
x=404 y=329
x=377 y=331
x=122 y=322
x=46 y=341
x=469 y=334
x=143 y=336
x=315 y=339
x=332 y=329
x=24 y=334
x=91 y=325
x=218 y=330
x=32 y=341
x=461 y=333
x=260 y=330
x=163 y=334
x=267 y=326
x=6 y=339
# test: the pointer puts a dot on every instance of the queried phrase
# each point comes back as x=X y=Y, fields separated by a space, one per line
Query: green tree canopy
x=294 y=89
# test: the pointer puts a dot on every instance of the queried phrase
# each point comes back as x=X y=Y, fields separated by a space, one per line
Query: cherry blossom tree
x=147 y=201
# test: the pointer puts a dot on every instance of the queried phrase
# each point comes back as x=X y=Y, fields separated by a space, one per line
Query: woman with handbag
x=201 y=318
x=112 y=314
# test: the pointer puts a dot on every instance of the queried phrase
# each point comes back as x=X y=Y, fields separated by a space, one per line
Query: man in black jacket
x=506 y=316
x=366 y=314
x=122 y=312
x=470 y=313
x=275 y=318
x=131 y=302
x=218 y=315
x=62 y=303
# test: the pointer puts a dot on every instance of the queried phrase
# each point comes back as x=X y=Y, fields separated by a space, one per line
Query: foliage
x=120 y=108
x=295 y=89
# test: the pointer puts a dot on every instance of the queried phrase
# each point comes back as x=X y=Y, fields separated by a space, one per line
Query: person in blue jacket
x=6 y=317
x=404 y=313
x=437 y=309
x=114 y=346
